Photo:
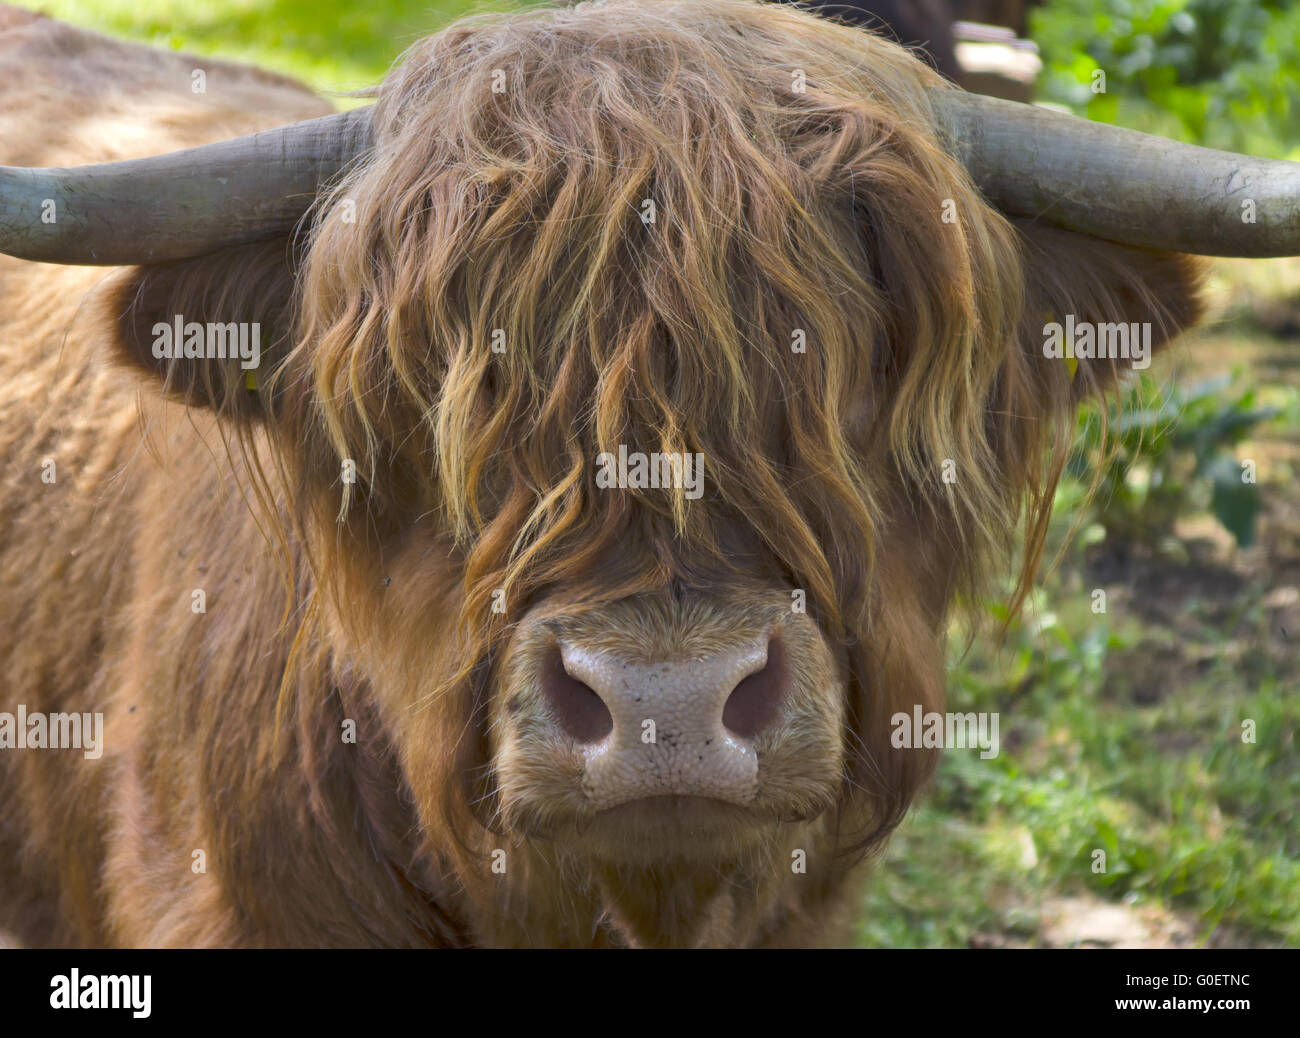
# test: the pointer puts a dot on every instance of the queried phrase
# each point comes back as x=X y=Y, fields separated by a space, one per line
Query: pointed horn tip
x=1093 y=178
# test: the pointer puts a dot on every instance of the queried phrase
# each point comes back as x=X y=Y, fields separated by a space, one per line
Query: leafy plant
x=1224 y=73
x=1165 y=450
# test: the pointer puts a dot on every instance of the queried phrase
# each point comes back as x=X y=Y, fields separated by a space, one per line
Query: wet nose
x=673 y=726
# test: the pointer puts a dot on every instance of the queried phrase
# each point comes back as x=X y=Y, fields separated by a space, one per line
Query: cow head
x=730 y=246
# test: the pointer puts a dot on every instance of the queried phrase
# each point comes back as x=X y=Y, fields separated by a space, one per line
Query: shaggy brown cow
x=382 y=657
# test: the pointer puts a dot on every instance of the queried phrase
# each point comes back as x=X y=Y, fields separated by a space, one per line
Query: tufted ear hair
x=209 y=330
x=1095 y=310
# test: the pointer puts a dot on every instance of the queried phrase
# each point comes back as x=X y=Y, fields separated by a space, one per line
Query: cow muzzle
x=667 y=705
x=683 y=726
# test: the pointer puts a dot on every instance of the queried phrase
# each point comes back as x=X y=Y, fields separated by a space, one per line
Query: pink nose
x=672 y=727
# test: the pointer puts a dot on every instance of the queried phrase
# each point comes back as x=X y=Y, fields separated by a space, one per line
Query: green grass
x=334 y=45
x=1191 y=819
x=1120 y=732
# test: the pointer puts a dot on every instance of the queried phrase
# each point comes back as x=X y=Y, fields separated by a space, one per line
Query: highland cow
x=379 y=660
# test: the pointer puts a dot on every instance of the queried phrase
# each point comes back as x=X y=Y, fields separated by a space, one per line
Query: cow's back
x=79 y=484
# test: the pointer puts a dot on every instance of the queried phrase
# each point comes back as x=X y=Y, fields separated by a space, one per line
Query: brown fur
x=372 y=601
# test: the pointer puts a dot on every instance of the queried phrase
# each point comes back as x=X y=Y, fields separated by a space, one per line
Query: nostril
x=581 y=713
x=754 y=702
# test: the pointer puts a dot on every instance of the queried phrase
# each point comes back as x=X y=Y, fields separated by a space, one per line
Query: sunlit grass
x=334 y=45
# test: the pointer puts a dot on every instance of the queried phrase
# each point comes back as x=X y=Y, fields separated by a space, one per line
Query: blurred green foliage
x=1164 y=450
x=1222 y=73
x=335 y=45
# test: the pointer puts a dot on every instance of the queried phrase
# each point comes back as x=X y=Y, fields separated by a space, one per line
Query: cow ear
x=1083 y=291
x=209 y=330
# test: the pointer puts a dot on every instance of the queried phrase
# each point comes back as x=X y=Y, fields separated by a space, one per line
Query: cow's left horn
x=181 y=204
x=1122 y=185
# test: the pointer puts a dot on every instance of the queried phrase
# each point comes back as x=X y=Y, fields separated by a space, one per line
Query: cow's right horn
x=181 y=204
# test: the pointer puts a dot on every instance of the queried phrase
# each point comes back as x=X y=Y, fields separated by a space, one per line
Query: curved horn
x=181 y=204
x=1125 y=186
x=1117 y=184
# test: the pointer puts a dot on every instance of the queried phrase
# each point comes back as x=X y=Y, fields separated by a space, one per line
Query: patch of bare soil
x=1086 y=921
